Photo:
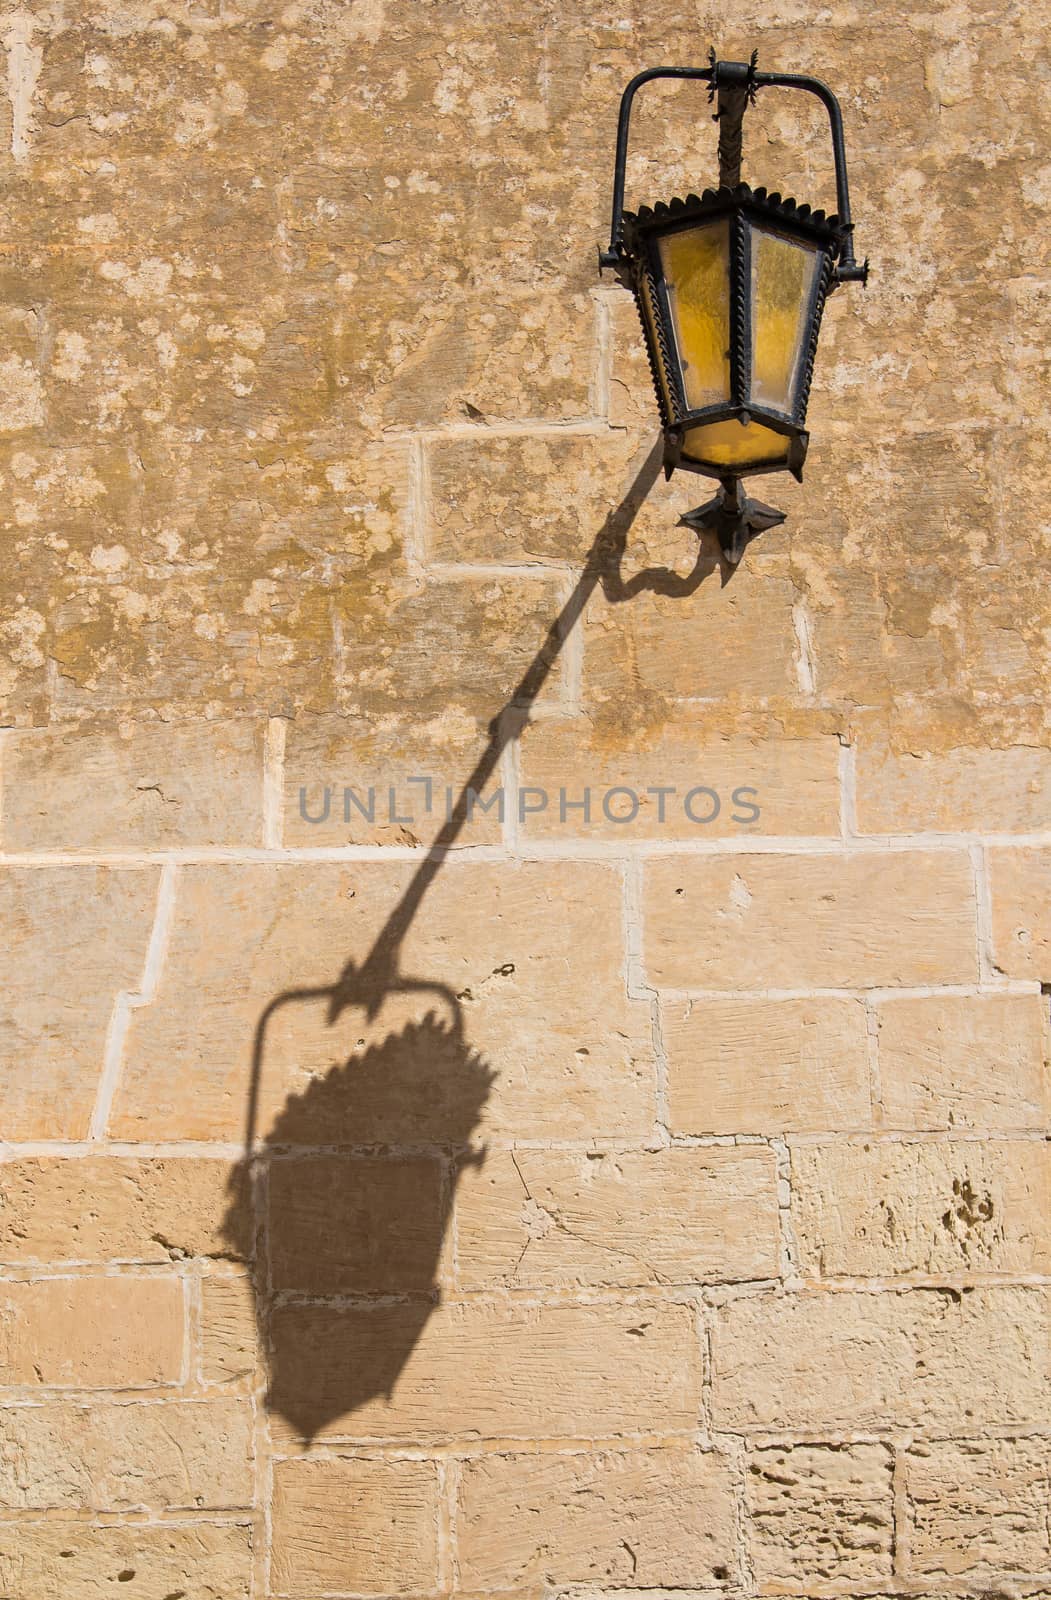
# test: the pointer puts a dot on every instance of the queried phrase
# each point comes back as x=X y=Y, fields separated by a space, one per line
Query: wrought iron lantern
x=730 y=287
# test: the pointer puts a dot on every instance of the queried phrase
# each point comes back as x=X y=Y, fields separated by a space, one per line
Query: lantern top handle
x=736 y=83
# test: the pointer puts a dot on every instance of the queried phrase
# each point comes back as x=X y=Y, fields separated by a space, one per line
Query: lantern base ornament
x=733 y=518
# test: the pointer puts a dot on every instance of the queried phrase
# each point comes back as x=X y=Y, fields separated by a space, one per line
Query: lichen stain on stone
x=243 y=249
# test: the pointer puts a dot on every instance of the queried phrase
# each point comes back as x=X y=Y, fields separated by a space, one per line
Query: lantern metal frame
x=633 y=254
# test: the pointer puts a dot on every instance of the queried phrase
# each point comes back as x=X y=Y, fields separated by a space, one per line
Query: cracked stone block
x=150 y=787
x=124 y=1208
x=533 y=1218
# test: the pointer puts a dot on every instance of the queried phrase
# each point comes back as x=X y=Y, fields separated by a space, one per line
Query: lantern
x=730 y=287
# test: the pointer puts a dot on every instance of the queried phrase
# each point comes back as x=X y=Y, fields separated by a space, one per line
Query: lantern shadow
x=343 y=1208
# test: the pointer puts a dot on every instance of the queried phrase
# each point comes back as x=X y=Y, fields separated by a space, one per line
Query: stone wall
x=651 y=1197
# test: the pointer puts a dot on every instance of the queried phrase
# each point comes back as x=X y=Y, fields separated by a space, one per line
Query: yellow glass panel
x=782 y=284
x=728 y=444
x=696 y=264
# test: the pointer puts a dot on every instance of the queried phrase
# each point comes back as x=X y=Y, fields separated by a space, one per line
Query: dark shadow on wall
x=343 y=1208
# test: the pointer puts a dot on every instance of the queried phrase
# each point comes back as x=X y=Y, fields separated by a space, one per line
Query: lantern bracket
x=736 y=83
x=733 y=518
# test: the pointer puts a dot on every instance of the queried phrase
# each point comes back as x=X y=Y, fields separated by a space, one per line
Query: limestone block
x=229 y=1340
x=800 y=921
x=537 y=1218
x=76 y=937
x=91 y=1333
x=1021 y=894
x=977 y=1504
x=175 y=1455
x=82 y=1562
x=102 y=1208
x=412 y=1371
x=875 y=1210
x=531 y=955
x=821 y=1513
x=594 y=787
x=365 y=1527
x=151 y=787
x=974 y=1061
x=353 y=781
x=999 y=791
x=766 y=1066
x=925 y=1359
x=653 y=1519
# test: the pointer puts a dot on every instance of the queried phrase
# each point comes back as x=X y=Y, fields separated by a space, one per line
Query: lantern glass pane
x=696 y=267
x=783 y=274
x=729 y=444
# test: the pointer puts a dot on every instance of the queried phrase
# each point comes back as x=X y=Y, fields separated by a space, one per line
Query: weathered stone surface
x=1021 y=892
x=150 y=786
x=330 y=512
x=974 y=1061
x=103 y=1208
x=91 y=1333
x=634 y=1520
x=643 y=658
x=303 y=357
x=875 y=1210
x=530 y=1218
x=983 y=791
x=115 y=651
x=522 y=498
x=931 y=1359
x=76 y=937
x=229 y=1341
x=975 y=1505
x=533 y=952
x=458 y=645
x=715 y=788
x=363 y=1527
x=821 y=1513
x=881 y=624
x=485 y=1371
x=632 y=402
x=172 y=1455
x=387 y=783
x=82 y=1562
x=810 y=921
x=766 y=1066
